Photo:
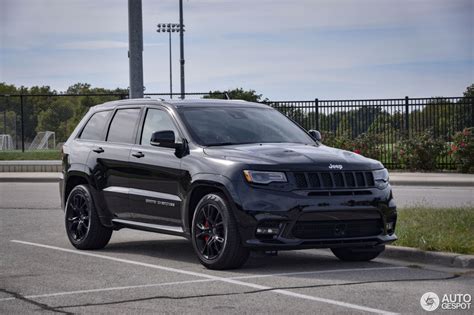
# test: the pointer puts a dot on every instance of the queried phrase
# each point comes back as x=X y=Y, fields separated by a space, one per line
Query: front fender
x=208 y=180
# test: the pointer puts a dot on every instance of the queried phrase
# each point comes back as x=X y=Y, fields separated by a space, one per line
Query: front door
x=155 y=184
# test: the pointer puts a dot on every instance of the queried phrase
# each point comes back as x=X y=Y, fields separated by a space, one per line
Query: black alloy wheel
x=83 y=227
x=210 y=231
x=215 y=234
x=78 y=217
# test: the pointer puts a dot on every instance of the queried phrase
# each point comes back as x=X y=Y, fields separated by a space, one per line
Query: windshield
x=213 y=126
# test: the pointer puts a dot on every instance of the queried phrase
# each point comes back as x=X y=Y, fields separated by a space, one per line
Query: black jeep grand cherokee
x=231 y=176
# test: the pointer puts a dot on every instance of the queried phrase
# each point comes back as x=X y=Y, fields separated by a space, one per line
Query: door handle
x=98 y=150
x=138 y=155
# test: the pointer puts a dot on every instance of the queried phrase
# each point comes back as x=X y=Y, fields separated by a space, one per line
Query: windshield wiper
x=221 y=143
x=228 y=143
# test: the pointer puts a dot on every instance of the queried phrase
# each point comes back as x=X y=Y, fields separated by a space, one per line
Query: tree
x=79 y=88
x=465 y=109
x=344 y=128
x=383 y=124
x=236 y=94
x=56 y=118
x=469 y=91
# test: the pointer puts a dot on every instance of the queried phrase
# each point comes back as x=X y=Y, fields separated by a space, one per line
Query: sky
x=283 y=49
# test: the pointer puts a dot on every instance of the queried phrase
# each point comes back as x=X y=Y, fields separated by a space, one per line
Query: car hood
x=293 y=156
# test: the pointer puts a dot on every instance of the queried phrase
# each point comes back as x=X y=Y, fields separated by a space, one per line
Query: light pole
x=169 y=28
x=181 y=46
x=135 y=47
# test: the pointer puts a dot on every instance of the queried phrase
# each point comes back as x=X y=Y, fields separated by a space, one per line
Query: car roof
x=179 y=103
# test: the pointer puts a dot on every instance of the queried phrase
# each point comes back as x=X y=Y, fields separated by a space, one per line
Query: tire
x=215 y=235
x=83 y=227
x=358 y=253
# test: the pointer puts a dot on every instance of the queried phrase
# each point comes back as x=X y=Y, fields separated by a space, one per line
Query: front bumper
x=303 y=220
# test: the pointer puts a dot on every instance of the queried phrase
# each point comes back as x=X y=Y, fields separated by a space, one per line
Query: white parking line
x=211 y=277
x=315 y=272
x=38 y=296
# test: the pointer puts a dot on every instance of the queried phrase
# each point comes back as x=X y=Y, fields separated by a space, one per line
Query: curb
x=38 y=166
x=29 y=179
x=17 y=167
x=402 y=182
x=50 y=177
x=427 y=257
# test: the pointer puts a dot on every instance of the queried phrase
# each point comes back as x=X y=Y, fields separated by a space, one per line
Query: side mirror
x=164 y=139
x=316 y=135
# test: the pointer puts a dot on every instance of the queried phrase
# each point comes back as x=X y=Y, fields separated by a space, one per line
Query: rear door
x=155 y=191
x=111 y=171
x=91 y=137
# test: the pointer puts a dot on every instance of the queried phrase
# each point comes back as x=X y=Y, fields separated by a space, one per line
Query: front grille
x=329 y=193
x=337 y=229
x=333 y=180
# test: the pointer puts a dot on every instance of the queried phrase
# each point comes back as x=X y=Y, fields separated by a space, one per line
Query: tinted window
x=156 y=120
x=94 y=129
x=232 y=125
x=123 y=126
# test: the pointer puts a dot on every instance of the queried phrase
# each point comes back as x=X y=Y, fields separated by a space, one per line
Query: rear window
x=94 y=129
x=122 y=128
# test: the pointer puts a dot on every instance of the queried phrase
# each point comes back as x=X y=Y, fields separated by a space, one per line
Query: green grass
x=448 y=230
x=31 y=155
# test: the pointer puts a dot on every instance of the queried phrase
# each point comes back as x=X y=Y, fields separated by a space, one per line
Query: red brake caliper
x=206 y=225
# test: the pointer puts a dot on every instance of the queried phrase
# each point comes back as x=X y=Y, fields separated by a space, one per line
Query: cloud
x=93 y=44
x=282 y=48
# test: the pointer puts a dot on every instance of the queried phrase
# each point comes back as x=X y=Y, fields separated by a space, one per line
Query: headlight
x=259 y=177
x=381 y=178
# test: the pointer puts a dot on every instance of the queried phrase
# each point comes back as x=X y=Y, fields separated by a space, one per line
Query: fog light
x=268 y=231
x=389 y=226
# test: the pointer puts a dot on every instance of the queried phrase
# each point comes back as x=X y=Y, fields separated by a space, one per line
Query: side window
x=123 y=126
x=156 y=120
x=94 y=129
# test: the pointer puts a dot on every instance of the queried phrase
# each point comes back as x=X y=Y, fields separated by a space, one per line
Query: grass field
x=449 y=230
x=31 y=155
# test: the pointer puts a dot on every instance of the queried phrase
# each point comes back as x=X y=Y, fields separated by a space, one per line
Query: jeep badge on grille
x=335 y=166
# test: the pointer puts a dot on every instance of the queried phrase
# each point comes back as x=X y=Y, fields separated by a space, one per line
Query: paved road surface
x=141 y=272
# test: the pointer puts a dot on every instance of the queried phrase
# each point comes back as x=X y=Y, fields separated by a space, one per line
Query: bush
x=340 y=142
x=369 y=145
x=420 y=151
x=462 y=150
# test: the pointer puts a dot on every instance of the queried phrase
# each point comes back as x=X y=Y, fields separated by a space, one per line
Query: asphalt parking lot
x=140 y=272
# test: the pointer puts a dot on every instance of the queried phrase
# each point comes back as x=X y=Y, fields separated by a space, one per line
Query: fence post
x=407 y=119
x=22 y=124
x=316 y=111
x=470 y=101
x=7 y=103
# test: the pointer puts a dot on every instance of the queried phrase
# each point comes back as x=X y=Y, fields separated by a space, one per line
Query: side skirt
x=165 y=229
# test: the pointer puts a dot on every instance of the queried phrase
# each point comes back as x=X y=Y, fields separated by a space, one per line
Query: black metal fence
x=24 y=118
x=389 y=121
